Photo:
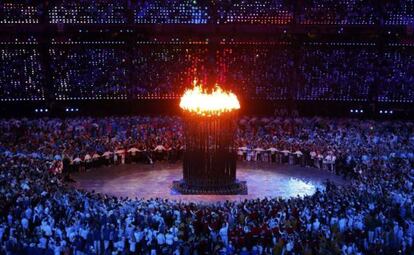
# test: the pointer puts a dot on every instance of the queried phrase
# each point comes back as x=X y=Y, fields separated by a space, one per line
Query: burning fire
x=199 y=101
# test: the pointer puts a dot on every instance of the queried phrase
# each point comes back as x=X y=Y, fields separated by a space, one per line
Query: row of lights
x=402 y=44
x=30 y=41
x=340 y=43
x=41 y=110
x=315 y=98
x=395 y=101
x=100 y=97
x=380 y=112
x=223 y=41
x=356 y=111
x=45 y=110
x=21 y=99
x=72 y=110
x=172 y=42
x=106 y=30
x=386 y=111
x=255 y=43
x=86 y=42
x=174 y=96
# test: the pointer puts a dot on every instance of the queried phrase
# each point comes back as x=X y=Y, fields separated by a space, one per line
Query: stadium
x=182 y=127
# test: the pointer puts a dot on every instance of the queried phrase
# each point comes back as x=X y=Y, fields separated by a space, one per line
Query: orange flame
x=199 y=101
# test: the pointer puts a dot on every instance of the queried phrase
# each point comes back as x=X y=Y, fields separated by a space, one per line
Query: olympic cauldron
x=210 y=156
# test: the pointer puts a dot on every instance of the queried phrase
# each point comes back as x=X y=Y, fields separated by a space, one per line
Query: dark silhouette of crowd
x=373 y=214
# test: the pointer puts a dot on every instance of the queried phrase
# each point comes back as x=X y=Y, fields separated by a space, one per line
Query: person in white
x=329 y=162
x=95 y=159
x=87 y=161
x=132 y=153
x=107 y=156
x=77 y=163
x=121 y=155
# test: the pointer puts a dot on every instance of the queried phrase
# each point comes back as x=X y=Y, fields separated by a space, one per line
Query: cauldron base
x=236 y=188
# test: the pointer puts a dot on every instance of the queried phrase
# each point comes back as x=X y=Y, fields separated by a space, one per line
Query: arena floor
x=148 y=181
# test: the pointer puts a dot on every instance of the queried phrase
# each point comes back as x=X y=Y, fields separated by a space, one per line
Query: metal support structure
x=209 y=164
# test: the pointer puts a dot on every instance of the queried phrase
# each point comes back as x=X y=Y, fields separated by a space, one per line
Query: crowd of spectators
x=276 y=65
x=164 y=70
x=87 y=12
x=21 y=74
x=171 y=12
x=327 y=12
x=255 y=12
x=344 y=12
x=20 y=12
x=312 y=72
x=160 y=68
x=397 y=69
x=337 y=73
x=372 y=214
x=89 y=73
x=398 y=12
